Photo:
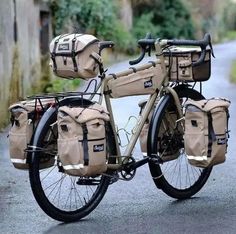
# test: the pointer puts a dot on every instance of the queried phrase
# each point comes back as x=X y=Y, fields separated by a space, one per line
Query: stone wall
x=20 y=54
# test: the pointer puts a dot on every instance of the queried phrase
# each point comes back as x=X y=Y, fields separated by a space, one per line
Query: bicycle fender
x=152 y=134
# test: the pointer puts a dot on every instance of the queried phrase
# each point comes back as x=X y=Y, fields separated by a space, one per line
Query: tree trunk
x=126 y=13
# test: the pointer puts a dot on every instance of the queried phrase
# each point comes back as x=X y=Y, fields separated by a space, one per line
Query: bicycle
x=68 y=198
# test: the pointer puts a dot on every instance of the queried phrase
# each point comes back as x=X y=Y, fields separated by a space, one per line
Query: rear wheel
x=174 y=175
x=63 y=197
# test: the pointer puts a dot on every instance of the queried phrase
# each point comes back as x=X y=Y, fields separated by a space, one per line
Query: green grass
x=233 y=72
x=229 y=36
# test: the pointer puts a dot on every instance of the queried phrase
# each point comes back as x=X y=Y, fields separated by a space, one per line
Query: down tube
x=140 y=124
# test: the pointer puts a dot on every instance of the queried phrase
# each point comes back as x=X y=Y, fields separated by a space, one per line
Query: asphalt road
x=136 y=206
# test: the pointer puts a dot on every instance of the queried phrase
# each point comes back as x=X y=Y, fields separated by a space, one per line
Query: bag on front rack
x=206 y=131
x=24 y=117
x=75 y=56
x=82 y=139
x=181 y=60
x=136 y=81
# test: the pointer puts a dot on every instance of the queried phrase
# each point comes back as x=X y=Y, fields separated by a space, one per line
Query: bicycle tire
x=62 y=197
x=171 y=175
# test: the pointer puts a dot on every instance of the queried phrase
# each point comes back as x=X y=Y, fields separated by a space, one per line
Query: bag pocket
x=72 y=156
x=18 y=144
x=195 y=138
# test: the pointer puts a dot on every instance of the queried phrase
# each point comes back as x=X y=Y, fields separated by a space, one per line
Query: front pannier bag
x=179 y=60
x=82 y=139
x=75 y=56
x=24 y=116
x=206 y=131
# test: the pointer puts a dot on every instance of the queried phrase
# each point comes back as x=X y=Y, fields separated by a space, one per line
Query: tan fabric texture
x=197 y=136
x=22 y=130
x=71 y=136
x=181 y=65
x=87 y=57
x=142 y=82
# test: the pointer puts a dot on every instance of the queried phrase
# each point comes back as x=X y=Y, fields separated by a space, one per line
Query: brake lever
x=149 y=51
x=212 y=51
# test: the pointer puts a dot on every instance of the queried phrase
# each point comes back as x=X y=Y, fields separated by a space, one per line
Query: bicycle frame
x=163 y=88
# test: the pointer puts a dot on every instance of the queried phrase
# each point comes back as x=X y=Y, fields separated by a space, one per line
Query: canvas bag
x=181 y=60
x=75 y=56
x=25 y=116
x=206 y=131
x=171 y=118
x=139 y=82
x=82 y=139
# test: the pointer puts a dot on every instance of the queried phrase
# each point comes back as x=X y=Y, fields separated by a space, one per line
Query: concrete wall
x=20 y=60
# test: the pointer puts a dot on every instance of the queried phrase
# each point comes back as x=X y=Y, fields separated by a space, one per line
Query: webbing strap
x=53 y=56
x=73 y=55
x=211 y=134
x=85 y=144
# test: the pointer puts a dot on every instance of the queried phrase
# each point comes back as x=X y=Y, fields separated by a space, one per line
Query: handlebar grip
x=139 y=59
x=146 y=42
x=201 y=43
x=145 y=45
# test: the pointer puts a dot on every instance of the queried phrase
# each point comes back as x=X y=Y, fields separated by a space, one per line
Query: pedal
x=114 y=178
x=88 y=181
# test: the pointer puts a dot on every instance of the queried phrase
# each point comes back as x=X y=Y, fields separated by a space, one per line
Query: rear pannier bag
x=206 y=131
x=181 y=60
x=82 y=139
x=139 y=82
x=170 y=120
x=75 y=56
x=24 y=117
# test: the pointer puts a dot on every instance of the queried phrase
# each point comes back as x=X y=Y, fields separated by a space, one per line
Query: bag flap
x=82 y=115
x=64 y=43
x=21 y=105
x=29 y=105
x=208 y=104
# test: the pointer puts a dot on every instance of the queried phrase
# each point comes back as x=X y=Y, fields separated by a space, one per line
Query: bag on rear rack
x=75 y=56
x=24 y=117
x=82 y=139
x=206 y=131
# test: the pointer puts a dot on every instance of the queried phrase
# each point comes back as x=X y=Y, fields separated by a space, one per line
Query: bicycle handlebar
x=145 y=47
x=147 y=43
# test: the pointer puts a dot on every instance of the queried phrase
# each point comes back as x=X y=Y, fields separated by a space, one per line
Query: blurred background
x=27 y=26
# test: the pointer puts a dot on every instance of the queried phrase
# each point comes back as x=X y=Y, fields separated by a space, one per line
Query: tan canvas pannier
x=136 y=81
x=24 y=116
x=170 y=119
x=82 y=139
x=75 y=56
x=206 y=131
x=181 y=60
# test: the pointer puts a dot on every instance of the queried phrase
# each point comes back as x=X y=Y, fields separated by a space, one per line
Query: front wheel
x=174 y=175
